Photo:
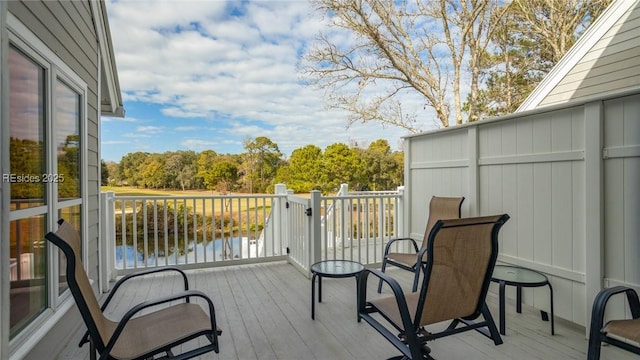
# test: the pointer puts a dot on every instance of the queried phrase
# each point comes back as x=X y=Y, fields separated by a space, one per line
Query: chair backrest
x=68 y=240
x=441 y=208
x=461 y=254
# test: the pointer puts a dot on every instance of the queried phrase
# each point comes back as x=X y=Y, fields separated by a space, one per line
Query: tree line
x=260 y=167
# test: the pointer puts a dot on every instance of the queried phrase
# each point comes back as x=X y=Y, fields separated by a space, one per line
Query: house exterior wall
x=67 y=29
x=4 y=168
x=610 y=65
x=542 y=168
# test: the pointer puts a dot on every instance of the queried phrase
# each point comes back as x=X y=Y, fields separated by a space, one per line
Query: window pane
x=26 y=131
x=71 y=215
x=67 y=122
x=28 y=264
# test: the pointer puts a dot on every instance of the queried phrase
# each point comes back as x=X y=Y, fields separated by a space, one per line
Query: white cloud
x=150 y=129
x=232 y=63
x=187 y=128
x=198 y=144
x=114 y=142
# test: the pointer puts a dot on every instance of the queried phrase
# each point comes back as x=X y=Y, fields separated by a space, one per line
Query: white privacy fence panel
x=569 y=177
x=622 y=191
x=533 y=169
x=435 y=165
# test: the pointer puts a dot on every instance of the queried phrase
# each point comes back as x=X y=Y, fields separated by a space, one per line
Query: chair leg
x=593 y=353
x=384 y=266
x=597 y=321
x=92 y=350
x=415 y=278
x=493 y=330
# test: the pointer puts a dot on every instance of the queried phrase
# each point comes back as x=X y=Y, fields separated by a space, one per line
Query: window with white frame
x=46 y=117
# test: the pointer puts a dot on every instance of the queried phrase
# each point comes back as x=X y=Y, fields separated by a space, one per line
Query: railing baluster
x=204 y=229
x=176 y=246
x=367 y=232
x=123 y=224
x=155 y=231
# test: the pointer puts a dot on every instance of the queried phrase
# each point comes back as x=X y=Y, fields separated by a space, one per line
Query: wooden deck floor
x=264 y=311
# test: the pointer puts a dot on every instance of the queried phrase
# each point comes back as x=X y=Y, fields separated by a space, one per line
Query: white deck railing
x=218 y=230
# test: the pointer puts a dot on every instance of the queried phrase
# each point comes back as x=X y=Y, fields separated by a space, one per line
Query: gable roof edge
x=115 y=106
x=591 y=36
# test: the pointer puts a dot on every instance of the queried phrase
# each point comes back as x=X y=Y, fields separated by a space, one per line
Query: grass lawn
x=133 y=191
x=250 y=208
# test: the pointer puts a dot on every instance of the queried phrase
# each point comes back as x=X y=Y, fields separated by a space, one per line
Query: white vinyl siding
x=610 y=65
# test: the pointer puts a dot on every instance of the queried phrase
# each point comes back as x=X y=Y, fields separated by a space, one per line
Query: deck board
x=264 y=311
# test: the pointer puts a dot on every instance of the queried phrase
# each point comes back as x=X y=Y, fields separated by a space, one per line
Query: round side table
x=520 y=277
x=332 y=269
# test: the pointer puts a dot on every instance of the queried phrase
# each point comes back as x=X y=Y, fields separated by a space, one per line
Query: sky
x=200 y=75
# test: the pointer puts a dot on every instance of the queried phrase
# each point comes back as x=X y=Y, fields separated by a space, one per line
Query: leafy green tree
x=131 y=168
x=224 y=175
x=380 y=166
x=204 y=164
x=260 y=163
x=152 y=171
x=104 y=173
x=181 y=169
x=303 y=171
x=398 y=173
x=341 y=164
x=115 y=178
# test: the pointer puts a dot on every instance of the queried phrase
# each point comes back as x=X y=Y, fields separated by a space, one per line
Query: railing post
x=315 y=233
x=279 y=214
x=106 y=241
x=401 y=228
x=594 y=204
x=345 y=213
x=473 y=194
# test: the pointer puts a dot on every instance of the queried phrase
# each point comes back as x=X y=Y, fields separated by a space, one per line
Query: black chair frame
x=419 y=265
x=596 y=331
x=413 y=343
x=92 y=334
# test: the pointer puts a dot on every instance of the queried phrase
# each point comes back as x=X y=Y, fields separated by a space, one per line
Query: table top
x=337 y=268
x=515 y=275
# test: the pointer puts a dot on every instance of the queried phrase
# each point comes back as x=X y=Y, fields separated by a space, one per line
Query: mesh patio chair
x=461 y=254
x=440 y=208
x=136 y=336
x=616 y=332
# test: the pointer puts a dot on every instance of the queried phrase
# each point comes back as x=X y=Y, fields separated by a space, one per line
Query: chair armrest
x=364 y=311
x=397 y=293
x=133 y=311
x=112 y=292
x=142 y=273
x=600 y=303
x=388 y=246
